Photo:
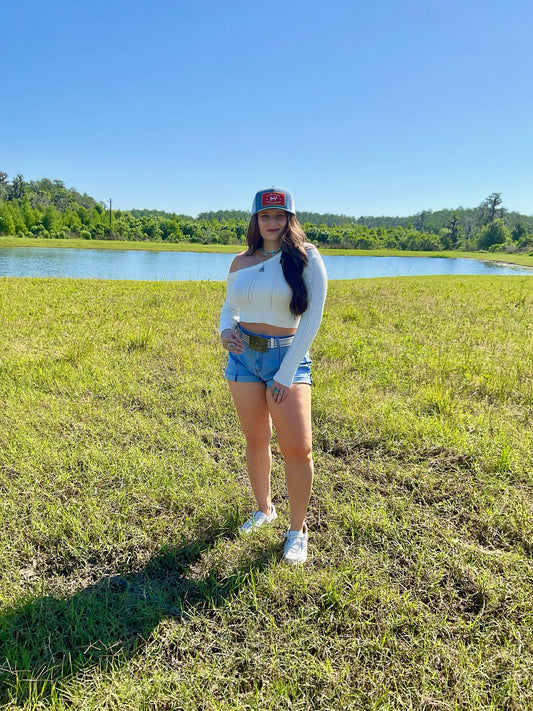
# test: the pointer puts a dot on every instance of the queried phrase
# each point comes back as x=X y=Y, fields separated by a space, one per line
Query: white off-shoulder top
x=260 y=294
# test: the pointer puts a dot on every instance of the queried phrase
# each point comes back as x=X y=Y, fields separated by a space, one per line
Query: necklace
x=268 y=253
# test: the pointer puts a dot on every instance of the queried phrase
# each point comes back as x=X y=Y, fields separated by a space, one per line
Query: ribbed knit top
x=260 y=294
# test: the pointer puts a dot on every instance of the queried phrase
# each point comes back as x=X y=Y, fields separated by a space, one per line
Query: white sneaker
x=258 y=519
x=295 y=550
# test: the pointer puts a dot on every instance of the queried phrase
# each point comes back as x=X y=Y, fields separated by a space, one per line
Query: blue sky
x=387 y=107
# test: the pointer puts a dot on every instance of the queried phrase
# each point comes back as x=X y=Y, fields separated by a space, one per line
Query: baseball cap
x=273 y=199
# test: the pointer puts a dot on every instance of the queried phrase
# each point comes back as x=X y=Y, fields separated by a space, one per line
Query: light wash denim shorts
x=252 y=366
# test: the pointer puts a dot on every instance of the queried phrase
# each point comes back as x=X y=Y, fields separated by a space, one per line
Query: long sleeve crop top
x=260 y=294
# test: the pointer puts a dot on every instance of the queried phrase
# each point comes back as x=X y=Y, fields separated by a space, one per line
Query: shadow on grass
x=50 y=639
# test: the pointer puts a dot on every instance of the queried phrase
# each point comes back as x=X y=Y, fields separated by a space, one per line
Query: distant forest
x=46 y=208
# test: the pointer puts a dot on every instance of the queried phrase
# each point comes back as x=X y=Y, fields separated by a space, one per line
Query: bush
x=495 y=233
x=40 y=231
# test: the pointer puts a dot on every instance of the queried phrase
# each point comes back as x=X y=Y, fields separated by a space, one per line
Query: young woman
x=273 y=309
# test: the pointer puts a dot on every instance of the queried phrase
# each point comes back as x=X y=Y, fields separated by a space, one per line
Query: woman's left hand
x=279 y=392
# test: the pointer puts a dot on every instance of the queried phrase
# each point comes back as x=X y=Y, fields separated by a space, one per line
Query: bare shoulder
x=240 y=262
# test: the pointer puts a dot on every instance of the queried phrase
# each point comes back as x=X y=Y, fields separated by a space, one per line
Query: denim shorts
x=256 y=367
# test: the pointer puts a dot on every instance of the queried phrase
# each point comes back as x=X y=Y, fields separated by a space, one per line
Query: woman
x=273 y=309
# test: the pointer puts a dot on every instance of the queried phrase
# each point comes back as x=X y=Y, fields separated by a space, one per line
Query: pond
x=198 y=266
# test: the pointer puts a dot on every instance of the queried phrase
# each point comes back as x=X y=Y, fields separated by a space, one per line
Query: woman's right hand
x=231 y=341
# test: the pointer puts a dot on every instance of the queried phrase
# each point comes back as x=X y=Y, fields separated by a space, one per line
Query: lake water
x=197 y=266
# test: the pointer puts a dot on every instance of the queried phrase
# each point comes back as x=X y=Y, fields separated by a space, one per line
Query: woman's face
x=272 y=224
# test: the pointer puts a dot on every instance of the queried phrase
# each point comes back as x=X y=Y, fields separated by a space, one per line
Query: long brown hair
x=293 y=258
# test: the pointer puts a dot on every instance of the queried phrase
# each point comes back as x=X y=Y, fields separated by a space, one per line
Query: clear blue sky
x=386 y=107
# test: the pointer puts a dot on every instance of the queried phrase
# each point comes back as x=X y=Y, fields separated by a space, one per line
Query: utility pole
x=110 y=213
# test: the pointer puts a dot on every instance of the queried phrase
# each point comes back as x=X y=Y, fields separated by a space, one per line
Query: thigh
x=251 y=404
x=292 y=418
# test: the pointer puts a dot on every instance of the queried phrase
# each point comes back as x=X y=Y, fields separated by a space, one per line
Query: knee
x=297 y=452
x=258 y=441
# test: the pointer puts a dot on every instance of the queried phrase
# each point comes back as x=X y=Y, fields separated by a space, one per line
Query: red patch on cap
x=273 y=200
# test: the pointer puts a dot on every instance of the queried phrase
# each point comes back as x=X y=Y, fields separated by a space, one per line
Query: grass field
x=123 y=581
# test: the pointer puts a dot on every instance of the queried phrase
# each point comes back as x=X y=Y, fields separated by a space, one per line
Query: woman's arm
x=229 y=316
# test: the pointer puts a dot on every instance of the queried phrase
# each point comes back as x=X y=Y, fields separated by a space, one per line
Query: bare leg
x=292 y=420
x=252 y=409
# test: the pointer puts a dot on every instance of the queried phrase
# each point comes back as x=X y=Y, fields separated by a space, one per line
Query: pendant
x=262 y=268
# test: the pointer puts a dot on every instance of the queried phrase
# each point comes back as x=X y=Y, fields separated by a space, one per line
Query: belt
x=258 y=343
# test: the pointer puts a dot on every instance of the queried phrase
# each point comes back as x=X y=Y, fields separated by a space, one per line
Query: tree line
x=46 y=208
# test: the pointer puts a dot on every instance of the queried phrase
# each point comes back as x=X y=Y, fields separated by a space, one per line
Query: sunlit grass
x=123 y=583
x=118 y=245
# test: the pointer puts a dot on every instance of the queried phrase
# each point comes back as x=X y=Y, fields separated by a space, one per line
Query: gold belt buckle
x=258 y=344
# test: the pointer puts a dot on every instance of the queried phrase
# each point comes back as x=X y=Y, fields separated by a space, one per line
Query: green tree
x=3 y=184
x=170 y=230
x=83 y=214
x=519 y=230
x=18 y=218
x=490 y=208
x=454 y=228
x=29 y=215
x=51 y=219
x=7 y=224
x=16 y=190
x=495 y=233
x=71 y=220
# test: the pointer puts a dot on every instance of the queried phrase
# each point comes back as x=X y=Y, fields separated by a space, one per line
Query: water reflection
x=197 y=266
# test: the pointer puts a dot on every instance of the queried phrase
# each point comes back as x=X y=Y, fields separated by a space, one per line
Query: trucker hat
x=273 y=199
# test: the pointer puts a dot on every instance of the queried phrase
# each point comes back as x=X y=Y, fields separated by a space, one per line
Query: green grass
x=521 y=259
x=118 y=244
x=123 y=583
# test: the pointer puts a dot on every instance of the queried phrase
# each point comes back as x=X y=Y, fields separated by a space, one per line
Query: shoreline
x=523 y=260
